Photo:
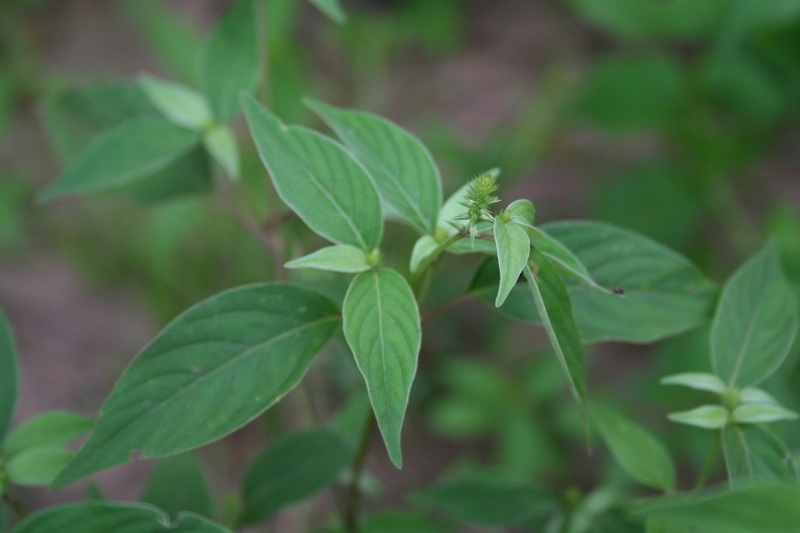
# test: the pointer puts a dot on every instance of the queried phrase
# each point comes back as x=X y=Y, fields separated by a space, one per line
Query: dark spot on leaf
x=617 y=290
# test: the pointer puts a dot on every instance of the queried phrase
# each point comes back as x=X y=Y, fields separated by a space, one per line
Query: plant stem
x=351 y=510
x=710 y=461
x=436 y=311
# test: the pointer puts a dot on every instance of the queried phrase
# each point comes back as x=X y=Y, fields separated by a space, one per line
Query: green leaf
x=210 y=371
x=521 y=212
x=756 y=321
x=513 y=248
x=756 y=413
x=705 y=416
x=753 y=454
x=38 y=465
x=339 y=258
x=566 y=262
x=229 y=62
x=696 y=380
x=121 y=156
x=177 y=484
x=318 y=179
x=424 y=248
x=221 y=144
x=9 y=374
x=484 y=502
x=105 y=516
x=382 y=328
x=180 y=104
x=635 y=449
x=664 y=293
x=332 y=8
x=761 y=509
x=54 y=428
x=293 y=468
x=755 y=395
x=554 y=307
x=401 y=167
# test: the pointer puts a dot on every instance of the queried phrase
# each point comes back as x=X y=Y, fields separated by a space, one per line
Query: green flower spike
x=477 y=200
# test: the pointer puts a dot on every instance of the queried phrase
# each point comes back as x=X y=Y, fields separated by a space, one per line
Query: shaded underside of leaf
x=382 y=327
x=513 y=248
x=291 y=469
x=318 y=179
x=210 y=371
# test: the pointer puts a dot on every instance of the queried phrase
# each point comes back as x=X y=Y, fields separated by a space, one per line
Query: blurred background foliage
x=675 y=118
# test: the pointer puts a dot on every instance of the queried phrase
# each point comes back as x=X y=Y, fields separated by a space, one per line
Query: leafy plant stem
x=353 y=504
x=710 y=462
x=422 y=290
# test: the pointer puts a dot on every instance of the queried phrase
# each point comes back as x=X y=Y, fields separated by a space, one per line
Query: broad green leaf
x=318 y=179
x=180 y=104
x=760 y=509
x=54 y=428
x=339 y=258
x=221 y=144
x=754 y=454
x=755 y=395
x=331 y=8
x=76 y=115
x=755 y=413
x=177 y=484
x=521 y=212
x=9 y=375
x=635 y=449
x=696 y=380
x=105 y=516
x=402 y=168
x=756 y=321
x=382 y=328
x=513 y=248
x=229 y=62
x=174 y=39
x=484 y=503
x=705 y=416
x=451 y=209
x=292 y=468
x=38 y=465
x=121 y=156
x=664 y=293
x=554 y=307
x=566 y=262
x=402 y=522
x=210 y=371
x=424 y=248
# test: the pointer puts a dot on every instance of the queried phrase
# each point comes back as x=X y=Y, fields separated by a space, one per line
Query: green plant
x=225 y=361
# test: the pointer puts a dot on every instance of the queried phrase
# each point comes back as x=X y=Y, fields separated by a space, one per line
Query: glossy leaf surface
x=332 y=8
x=402 y=168
x=705 y=416
x=292 y=468
x=210 y=371
x=318 y=179
x=38 y=465
x=229 y=62
x=756 y=321
x=180 y=104
x=221 y=144
x=121 y=156
x=382 y=328
x=696 y=380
